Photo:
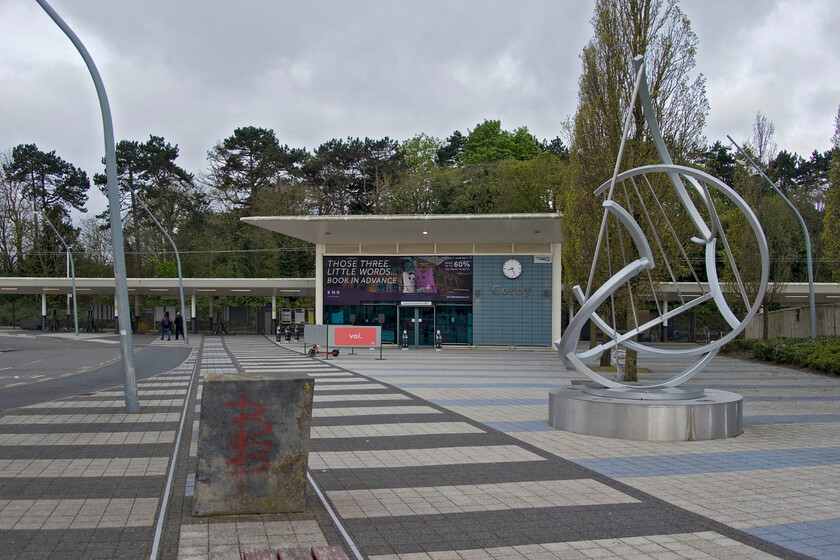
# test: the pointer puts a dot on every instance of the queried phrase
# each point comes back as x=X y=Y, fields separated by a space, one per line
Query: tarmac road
x=37 y=368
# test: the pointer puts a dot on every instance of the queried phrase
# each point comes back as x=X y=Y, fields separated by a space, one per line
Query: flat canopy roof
x=164 y=287
x=439 y=228
x=793 y=293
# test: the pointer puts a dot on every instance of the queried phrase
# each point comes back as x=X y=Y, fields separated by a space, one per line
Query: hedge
x=821 y=354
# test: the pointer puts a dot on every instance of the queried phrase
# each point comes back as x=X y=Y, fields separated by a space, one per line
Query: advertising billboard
x=355 y=336
x=349 y=280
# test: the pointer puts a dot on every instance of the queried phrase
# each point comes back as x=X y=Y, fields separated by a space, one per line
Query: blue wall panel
x=511 y=311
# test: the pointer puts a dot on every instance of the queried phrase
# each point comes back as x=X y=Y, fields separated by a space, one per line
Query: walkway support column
x=273 y=314
x=43 y=312
x=319 y=284
x=556 y=291
x=192 y=313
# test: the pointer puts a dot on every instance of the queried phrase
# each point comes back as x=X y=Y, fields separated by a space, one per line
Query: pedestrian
x=179 y=325
x=165 y=327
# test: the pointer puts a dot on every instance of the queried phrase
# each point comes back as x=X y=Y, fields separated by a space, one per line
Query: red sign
x=355 y=336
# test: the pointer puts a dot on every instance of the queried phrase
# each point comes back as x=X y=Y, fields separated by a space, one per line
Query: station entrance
x=418 y=322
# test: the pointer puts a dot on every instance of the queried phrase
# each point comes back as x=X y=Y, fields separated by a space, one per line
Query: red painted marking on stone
x=258 y=463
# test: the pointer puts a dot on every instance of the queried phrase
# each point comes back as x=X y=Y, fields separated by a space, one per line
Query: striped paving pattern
x=80 y=478
x=228 y=536
x=778 y=481
x=411 y=479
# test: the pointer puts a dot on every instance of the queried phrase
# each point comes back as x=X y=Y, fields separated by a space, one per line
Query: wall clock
x=512 y=268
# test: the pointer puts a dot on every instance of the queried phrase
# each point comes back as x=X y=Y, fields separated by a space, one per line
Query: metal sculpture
x=665 y=210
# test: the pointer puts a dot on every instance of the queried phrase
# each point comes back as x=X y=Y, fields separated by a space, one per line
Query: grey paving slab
x=443 y=450
x=403 y=536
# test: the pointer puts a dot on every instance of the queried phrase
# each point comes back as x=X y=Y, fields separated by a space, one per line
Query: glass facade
x=418 y=321
x=472 y=300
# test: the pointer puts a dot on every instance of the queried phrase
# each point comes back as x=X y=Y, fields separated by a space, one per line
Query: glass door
x=425 y=326
x=418 y=323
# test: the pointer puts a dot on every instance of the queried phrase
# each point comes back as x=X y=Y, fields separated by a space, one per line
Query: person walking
x=179 y=325
x=165 y=327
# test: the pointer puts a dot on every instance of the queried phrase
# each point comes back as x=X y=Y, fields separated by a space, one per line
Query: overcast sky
x=194 y=71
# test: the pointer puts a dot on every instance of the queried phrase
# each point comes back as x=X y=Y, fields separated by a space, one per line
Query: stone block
x=264 y=554
x=293 y=554
x=253 y=444
x=328 y=553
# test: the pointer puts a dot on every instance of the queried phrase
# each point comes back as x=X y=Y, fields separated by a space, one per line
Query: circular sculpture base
x=646 y=394
x=717 y=415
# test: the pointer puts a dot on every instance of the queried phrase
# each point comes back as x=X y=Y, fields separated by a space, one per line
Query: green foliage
x=247 y=163
x=49 y=180
x=447 y=154
x=657 y=30
x=821 y=354
x=488 y=143
x=164 y=268
x=831 y=218
x=13 y=308
x=38 y=186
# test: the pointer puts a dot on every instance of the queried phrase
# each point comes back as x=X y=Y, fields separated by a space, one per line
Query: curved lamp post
x=804 y=232
x=177 y=257
x=72 y=273
x=132 y=402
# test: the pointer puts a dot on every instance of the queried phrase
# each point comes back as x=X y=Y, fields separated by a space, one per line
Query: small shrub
x=821 y=354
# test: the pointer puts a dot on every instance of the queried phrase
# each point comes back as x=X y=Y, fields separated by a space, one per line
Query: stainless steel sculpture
x=653 y=214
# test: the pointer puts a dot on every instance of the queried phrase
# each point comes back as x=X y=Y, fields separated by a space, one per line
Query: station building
x=490 y=279
x=487 y=279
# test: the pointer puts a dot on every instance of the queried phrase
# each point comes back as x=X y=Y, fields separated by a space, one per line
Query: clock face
x=512 y=268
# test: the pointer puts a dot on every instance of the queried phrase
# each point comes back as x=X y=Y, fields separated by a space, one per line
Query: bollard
x=253 y=444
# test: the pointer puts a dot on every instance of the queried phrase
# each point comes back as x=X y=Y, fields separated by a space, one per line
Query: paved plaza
x=430 y=455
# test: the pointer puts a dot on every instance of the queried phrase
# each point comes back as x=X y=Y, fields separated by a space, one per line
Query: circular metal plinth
x=646 y=393
x=718 y=415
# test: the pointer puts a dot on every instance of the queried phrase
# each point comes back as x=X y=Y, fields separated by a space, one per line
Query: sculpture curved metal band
x=687 y=186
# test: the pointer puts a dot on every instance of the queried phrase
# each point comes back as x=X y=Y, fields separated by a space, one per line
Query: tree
x=49 y=180
x=831 y=218
x=657 y=30
x=556 y=147
x=379 y=165
x=447 y=154
x=719 y=162
x=15 y=225
x=413 y=192
x=781 y=228
x=762 y=141
x=243 y=168
x=250 y=161
x=487 y=142
x=327 y=174
x=95 y=243
x=147 y=172
x=52 y=186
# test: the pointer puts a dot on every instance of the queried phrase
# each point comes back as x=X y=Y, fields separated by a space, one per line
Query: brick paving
x=432 y=455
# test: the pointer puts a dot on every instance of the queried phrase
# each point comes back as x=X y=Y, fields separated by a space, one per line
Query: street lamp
x=72 y=272
x=804 y=232
x=132 y=401
x=177 y=257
